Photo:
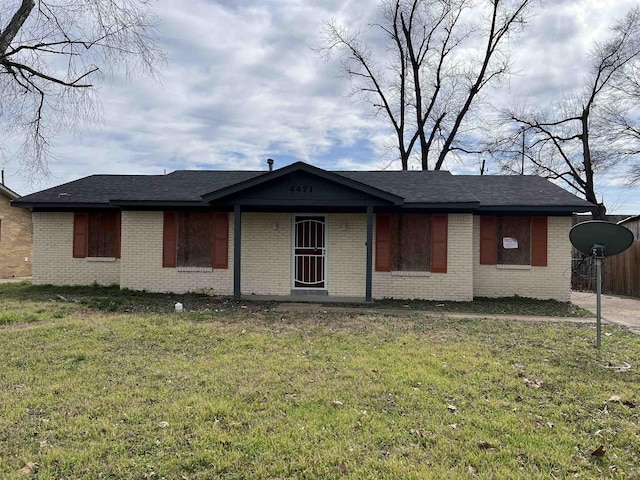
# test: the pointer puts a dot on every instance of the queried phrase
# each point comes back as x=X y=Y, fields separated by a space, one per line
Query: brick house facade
x=301 y=230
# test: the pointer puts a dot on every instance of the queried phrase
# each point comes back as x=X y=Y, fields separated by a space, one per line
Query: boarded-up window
x=410 y=242
x=195 y=239
x=513 y=240
x=104 y=234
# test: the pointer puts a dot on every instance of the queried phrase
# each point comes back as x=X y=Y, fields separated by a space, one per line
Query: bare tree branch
x=51 y=55
x=593 y=133
x=429 y=89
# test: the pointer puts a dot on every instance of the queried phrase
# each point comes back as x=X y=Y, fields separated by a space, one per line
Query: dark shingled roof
x=179 y=186
x=415 y=187
x=510 y=190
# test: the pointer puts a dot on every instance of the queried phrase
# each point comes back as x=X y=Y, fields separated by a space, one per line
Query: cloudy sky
x=243 y=82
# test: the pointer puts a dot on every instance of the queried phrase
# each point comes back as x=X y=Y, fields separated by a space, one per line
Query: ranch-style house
x=302 y=230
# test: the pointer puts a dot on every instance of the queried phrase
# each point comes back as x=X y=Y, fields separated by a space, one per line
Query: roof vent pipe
x=270 y=163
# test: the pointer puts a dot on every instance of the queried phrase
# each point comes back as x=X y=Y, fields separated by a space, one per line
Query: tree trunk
x=9 y=33
x=590 y=194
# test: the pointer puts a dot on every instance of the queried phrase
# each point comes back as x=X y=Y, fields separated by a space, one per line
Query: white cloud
x=244 y=83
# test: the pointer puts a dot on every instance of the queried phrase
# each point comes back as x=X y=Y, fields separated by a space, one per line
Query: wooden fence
x=620 y=274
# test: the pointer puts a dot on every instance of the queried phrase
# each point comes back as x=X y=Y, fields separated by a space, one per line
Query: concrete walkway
x=615 y=308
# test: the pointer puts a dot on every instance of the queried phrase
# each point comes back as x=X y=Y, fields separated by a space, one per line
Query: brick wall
x=347 y=254
x=266 y=254
x=550 y=282
x=52 y=255
x=16 y=240
x=142 y=260
x=456 y=284
x=266 y=261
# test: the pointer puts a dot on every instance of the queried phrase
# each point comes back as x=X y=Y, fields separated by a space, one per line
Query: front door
x=309 y=252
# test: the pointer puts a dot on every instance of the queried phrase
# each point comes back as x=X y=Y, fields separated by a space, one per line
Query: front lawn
x=236 y=393
x=113 y=299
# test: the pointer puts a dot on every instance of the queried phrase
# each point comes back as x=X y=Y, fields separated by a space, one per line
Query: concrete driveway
x=615 y=309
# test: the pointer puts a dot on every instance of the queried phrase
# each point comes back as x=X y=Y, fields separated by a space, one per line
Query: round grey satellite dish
x=608 y=238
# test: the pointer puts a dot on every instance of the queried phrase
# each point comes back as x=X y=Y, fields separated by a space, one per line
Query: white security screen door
x=309 y=252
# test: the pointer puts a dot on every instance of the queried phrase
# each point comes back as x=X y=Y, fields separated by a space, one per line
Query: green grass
x=249 y=393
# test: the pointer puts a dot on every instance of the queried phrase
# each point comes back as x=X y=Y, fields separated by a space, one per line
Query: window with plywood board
x=96 y=234
x=513 y=240
x=195 y=239
x=411 y=242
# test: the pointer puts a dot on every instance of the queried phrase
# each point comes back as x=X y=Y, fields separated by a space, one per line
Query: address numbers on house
x=301 y=189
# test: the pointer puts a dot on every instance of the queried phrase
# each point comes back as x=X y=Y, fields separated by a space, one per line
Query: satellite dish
x=601 y=239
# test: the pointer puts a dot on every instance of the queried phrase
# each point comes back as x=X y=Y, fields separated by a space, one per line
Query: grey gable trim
x=8 y=192
x=301 y=166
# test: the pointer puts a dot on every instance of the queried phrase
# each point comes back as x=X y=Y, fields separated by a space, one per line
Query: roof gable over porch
x=302 y=185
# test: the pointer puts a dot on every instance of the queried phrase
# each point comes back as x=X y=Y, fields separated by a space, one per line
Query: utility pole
x=522 y=159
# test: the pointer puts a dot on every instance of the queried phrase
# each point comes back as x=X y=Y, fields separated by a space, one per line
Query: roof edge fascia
x=157 y=203
x=553 y=209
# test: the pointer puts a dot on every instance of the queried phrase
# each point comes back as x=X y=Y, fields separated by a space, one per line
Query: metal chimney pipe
x=3 y=176
x=270 y=162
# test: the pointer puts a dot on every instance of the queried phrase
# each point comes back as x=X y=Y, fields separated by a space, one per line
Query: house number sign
x=301 y=189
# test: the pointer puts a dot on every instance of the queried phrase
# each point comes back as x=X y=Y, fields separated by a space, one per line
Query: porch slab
x=304 y=299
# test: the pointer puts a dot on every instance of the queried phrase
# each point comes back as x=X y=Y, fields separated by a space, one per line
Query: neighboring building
x=633 y=224
x=304 y=230
x=15 y=237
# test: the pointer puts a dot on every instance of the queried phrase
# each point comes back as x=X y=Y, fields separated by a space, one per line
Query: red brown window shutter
x=80 y=231
x=118 y=233
x=383 y=243
x=539 y=241
x=220 y=240
x=169 y=239
x=439 y=227
x=488 y=241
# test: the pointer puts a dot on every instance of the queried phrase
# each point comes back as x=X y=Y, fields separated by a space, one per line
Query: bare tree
x=590 y=133
x=430 y=82
x=51 y=54
x=622 y=117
